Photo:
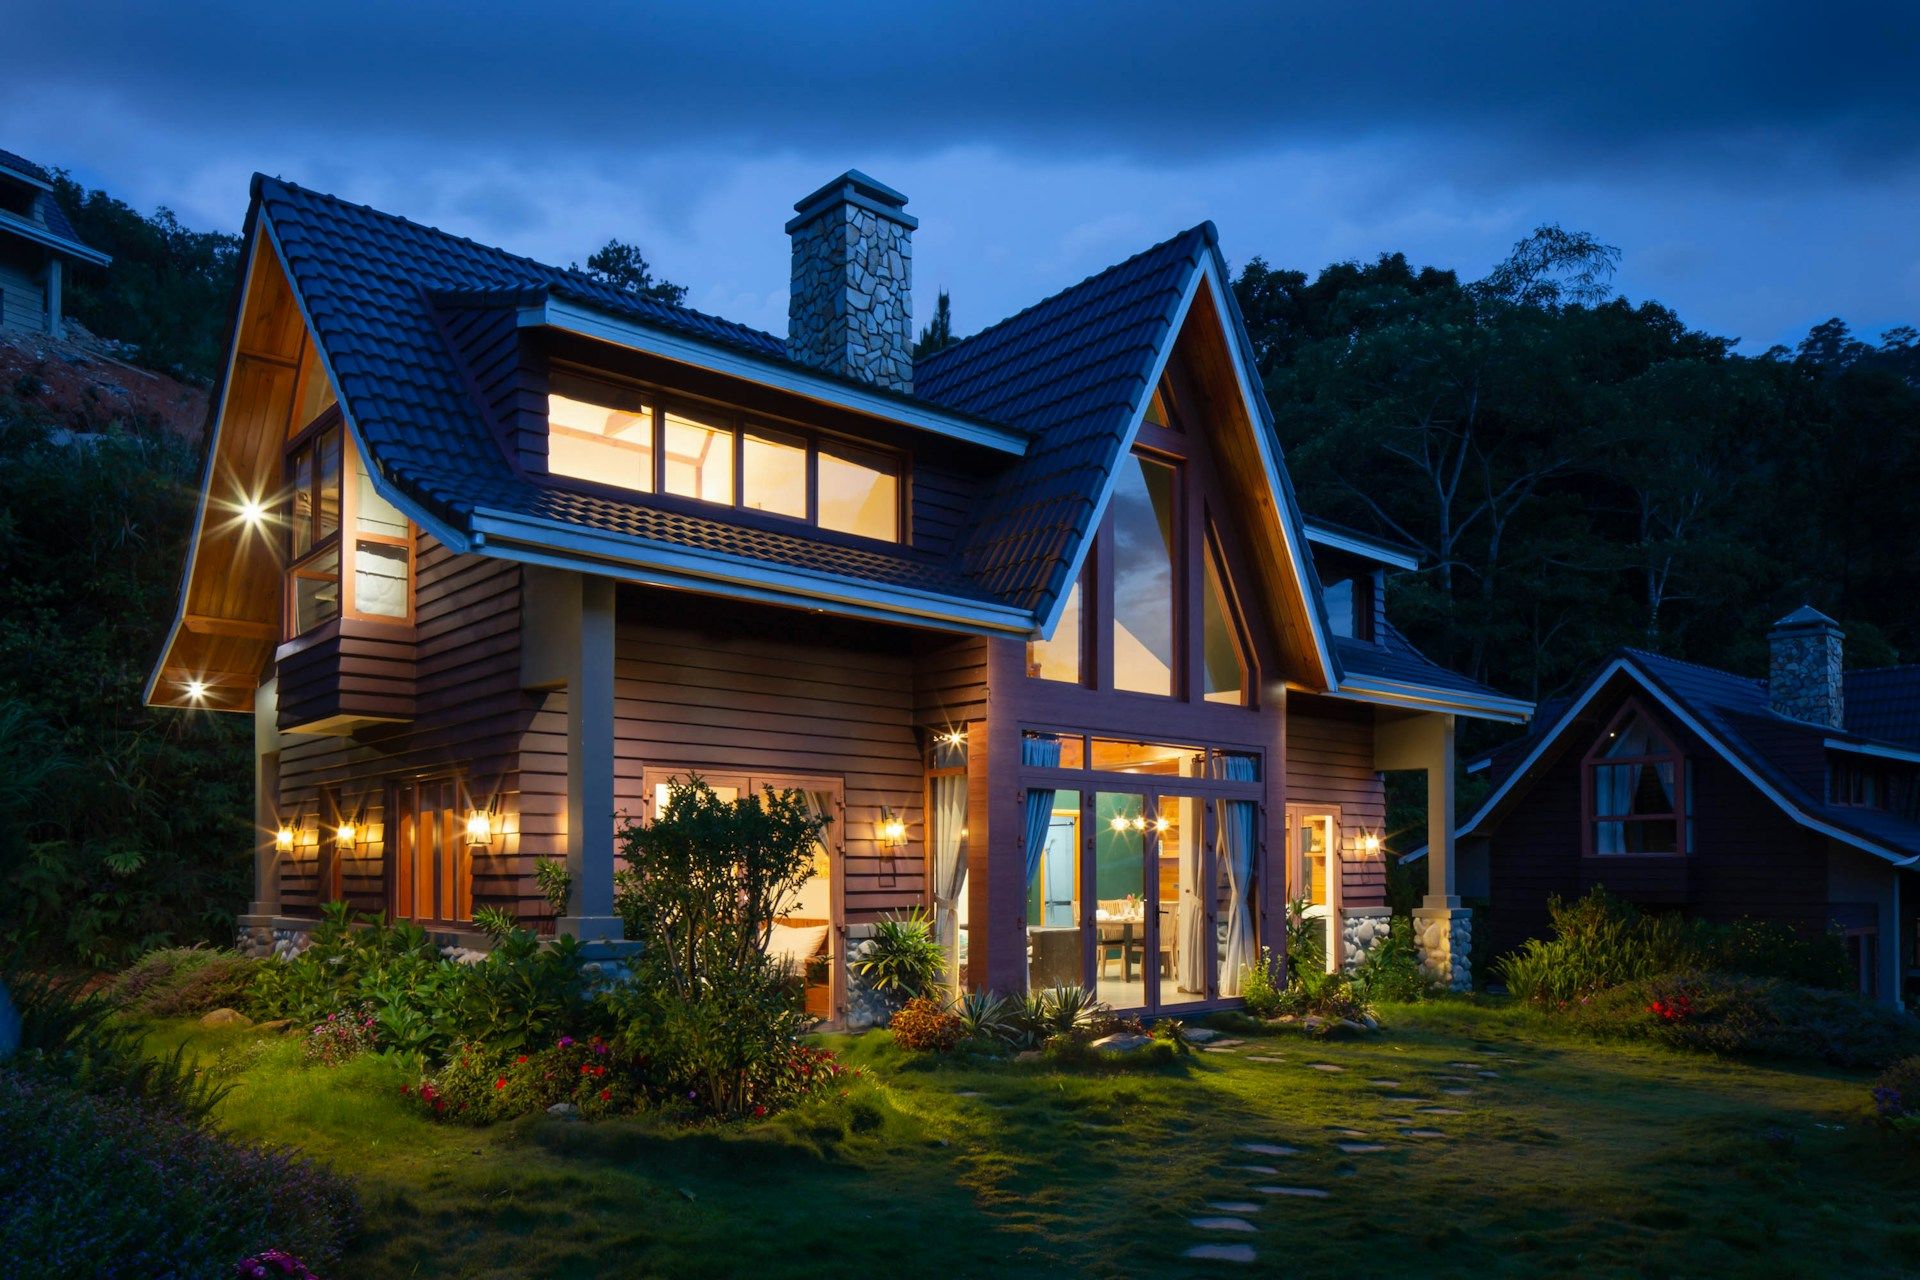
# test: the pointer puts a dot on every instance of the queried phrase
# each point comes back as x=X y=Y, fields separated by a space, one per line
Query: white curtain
x=1613 y=787
x=949 y=863
x=1239 y=837
x=1190 y=967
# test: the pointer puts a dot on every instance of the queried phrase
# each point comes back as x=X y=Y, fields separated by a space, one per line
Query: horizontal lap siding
x=950 y=681
x=469 y=717
x=1749 y=858
x=1330 y=761
x=747 y=691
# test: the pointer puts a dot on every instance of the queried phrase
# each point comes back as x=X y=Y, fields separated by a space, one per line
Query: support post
x=255 y=928
x=56 y=323
x=590 y=762
x=1442 y=928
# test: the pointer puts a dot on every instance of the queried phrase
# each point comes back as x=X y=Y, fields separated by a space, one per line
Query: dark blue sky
x=1758 y=164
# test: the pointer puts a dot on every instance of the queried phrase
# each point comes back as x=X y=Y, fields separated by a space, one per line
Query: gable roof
x=1391 y=664
x=48 y=224
x=1785 y=759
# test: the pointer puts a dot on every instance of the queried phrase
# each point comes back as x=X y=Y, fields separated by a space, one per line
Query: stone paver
x=1384 y=1084
x=1423 y=1133
x=1351 y=1133
x=1221 y=1253
x=1304 y=1193
x=1402 y=1097
x=1268 y=1149
x=1325 y=1066
x=1359 y=1148
x=1441 y=1111
x=1458 y=1093
x=1233 y=1206
x=1490 y=1075
x=1263 y=1057
x=1221 y=1224
x=1202 y=1035
x=1256 y=1168
x=969 y=1093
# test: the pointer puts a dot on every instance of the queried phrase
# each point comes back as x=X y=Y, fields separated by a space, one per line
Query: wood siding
x=732 y=689
x=1749 y=859
x=1330 y=762
x=470 y=721
x=347 y=668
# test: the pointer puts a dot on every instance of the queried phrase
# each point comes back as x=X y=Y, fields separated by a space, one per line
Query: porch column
x=266 y=801
x=996 y=833
x=1442 y=928
x=56 y=324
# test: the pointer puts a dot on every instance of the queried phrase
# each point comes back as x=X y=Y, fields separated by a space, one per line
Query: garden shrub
x=1264 y=997
x=1896 y=1096
x=341 y=1035
x=1751 y=1017
x=713 y=1018
x=922 y=1026
x=221 y=981
x=1600 y=942
x=106 y=1187
x=480 y=1084
x=983 y=1018
x=157 y=969
x=902 y=960
x=1391 y=971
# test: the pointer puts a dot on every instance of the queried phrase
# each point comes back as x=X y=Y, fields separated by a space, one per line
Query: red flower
x=606 y=1095
x=599 y=1071
x=501 y=1083
x=521 y=1058
x=759 y=1110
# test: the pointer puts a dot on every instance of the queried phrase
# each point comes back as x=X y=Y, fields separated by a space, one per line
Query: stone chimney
x=1804 y=678
x=851 y=311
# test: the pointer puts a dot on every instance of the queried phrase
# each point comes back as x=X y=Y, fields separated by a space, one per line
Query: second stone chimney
x=851 y=310
x=1804 y=673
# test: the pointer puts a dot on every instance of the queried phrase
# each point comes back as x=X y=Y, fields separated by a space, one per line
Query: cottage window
x=1145 y=602
x=624 y=438
x=334 y=511
x=1224 y=658
x=1057 y=657
x=1637 y=790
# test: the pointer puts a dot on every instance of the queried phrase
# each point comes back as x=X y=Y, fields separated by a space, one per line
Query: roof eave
x=1433 y=698
x=70 y=248
x=591 y=322
x=512 y=535
x=1365 y=548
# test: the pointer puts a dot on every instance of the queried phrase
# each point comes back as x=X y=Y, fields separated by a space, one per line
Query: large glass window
x=859 y=493
x=600 y=434
x=698 y=457
x=1057 y=657
x=773 y=473
x=330 y=488
x=1144 y=602
x=1634 y=787
x=1225 y=665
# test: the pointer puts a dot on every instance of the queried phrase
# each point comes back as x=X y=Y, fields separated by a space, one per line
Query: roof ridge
x=1869 y=671
x=570 y=272
x=1204 y=229
x=1688 y=662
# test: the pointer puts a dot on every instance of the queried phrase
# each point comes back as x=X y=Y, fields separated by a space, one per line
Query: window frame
x=1681 y=817
x=344 y=538
x=740 y=423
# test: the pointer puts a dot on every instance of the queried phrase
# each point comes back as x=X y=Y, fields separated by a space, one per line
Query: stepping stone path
x=1263 y=1057
x=1221 y=1252
x=1384 y=1084
x=1359 y=1148
x=1268 y=1149
x=1325 y=1066
x=1202 y=1035
x=1458 y=1093
x=1490 y=1075
x=970 y=1093
x=1423 y=1133
x=1401 y=1097
x=1267 y=1169
x=1441 y=1111
x=1233 y=1206
x=1303 y=1193
x=1221 y=1224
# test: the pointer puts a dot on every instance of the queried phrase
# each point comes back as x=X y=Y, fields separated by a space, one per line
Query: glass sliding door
x=1055 y=957
x=1180 y=900
x=1122 y=921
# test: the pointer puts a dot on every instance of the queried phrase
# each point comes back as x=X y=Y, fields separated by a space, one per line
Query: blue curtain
x=1045 y=753
x=1239 y=836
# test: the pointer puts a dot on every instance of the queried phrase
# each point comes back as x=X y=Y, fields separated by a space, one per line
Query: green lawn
x=1565 y=1157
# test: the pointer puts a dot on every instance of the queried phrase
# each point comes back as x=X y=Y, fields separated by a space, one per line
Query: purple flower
x=566 y=1042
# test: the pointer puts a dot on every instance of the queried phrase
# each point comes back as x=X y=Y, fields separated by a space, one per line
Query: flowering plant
x=273 y=1262
x=1677 y=1008
x=478 y=1086
x=343 y=1034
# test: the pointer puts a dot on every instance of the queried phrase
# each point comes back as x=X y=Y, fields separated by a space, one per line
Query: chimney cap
x=853 y=187
x=1806 y=618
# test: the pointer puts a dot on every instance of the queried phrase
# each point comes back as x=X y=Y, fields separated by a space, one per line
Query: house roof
x=48 y=224
x=1785 y=758
x=1392 y=659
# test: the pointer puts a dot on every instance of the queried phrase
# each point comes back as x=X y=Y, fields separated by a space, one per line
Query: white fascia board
x=1354 y=546
x=1292 y=525
x=513 y=536
x=206 y=473
x=1873 y=749
x=1139 y=414
x=1701 y=731
x=453 y=539
x=1427 y=698
x=31 y=230
x=573 y=318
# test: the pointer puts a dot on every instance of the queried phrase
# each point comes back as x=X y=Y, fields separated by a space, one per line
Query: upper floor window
x=1638 y=792
x=623 y=437
x=333 y=511
x=1144 y=600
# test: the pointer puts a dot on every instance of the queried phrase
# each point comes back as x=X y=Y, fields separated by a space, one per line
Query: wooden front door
x=429 y=867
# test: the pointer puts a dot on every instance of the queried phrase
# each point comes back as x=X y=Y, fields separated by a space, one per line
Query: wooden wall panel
x=744 y=691
x=1330 y=762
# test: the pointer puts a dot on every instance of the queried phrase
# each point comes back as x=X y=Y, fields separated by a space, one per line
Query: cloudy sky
x=1757 y=164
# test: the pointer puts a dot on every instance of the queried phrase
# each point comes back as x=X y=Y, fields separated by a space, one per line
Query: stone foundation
x=1443 y=938
x=865 y=1006
x=260 y=937
x=1362 y=929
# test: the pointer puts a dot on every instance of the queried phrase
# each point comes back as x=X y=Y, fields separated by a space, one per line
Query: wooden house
x=37 y=246
x=491 y=552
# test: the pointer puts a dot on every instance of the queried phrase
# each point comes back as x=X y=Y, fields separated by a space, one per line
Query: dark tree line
x=1583 y=473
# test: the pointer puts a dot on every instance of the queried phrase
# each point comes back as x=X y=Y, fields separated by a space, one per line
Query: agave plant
x=984 y=1016
x=1072 y=1009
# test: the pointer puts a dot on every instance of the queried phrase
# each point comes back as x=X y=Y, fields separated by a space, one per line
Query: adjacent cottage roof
x=1786 y=758
x=47 y=222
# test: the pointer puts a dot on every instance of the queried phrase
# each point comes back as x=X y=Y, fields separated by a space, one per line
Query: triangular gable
x=1550 y=745
x=1078 y=371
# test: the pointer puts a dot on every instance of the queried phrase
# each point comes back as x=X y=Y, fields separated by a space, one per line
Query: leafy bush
x=479 y=1085
x=103 y=1186
x=714 y=1019
x=175 y=982
x=341 y=1035
x=983 y=1017
x=1264 y=997
x=556 y=884
x=902 y=960
x=495 y=922
x=1601 y=942
x=923 y=1027
x=1896 y=1096
x=1033 y=1018
x=1751 y=1017
x=1391 y=970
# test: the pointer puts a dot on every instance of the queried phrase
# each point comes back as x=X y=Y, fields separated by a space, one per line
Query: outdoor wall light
x=479 y=829
x=345 y=834
x=252 y=512
x=954 y=738
x=1369 y=844
x=196 y=689
x=283 y=839
x=892 y=830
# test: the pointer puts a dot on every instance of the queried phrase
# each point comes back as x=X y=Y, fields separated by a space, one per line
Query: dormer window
x=1638 y=793
x=625 y=438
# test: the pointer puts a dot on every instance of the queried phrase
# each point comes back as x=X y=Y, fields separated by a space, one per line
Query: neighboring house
x=1794 y=799
x=36 y=245
x=492 y=552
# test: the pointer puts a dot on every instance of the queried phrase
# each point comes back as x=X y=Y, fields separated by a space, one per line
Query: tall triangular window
x=1223 y=654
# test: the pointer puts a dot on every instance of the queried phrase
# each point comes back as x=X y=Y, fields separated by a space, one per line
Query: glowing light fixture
x=479 y=829
x=253 y=512
x=1119 y=823
x=1369 y=844
x=954 y=738
x=196 y=689
x=1161 y=824
x=344 y=836
x=283 y=839
x=891 y=829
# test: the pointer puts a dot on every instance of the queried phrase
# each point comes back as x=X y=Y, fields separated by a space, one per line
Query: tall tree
x=624 y=267
x=937 y=335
